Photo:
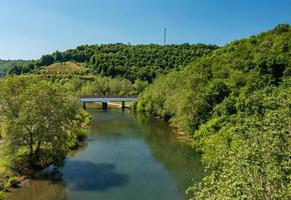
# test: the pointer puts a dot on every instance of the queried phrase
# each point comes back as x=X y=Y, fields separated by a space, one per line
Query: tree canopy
x=38 y=119
x=235 y=103
x=143 y=62
x=7 y=65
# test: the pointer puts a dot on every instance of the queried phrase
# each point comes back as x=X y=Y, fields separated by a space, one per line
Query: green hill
x=144 y=62
x=242 y=66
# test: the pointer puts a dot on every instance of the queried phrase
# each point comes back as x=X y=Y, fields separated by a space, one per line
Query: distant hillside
x=6 y=65
x=240 y=67
x=132 y=62
x=66 y=68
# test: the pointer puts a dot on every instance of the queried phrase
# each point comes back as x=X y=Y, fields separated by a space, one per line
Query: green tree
x=38 y=117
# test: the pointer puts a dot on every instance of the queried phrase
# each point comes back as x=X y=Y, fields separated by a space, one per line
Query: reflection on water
x=92 y=176
x=128 y=156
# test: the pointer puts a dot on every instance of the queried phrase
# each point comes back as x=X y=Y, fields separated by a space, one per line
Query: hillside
x=66 y=68
x=243 y=66
x=6 y=65
x=132 y=62
x=235 y=104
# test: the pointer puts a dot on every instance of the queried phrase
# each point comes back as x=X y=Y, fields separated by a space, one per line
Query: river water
x=126 y=156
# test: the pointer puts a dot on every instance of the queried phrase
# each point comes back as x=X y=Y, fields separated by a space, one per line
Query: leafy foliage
x=38 y=118
x=14 y=182
x=235 y=103
x=98 y=85
x=143 y=62
x=7 y=65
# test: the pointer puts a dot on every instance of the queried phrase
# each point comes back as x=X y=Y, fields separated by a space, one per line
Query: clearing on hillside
x=68 y=67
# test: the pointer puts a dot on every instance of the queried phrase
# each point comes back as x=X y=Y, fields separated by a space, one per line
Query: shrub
x=81 y=134
x=14 y=181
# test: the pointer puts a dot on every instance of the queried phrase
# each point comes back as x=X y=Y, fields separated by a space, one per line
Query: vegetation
x=14 y=181
x=97 y=85
x=39 y=122
x=132 y=62
x=68 y=68
x=7 y=65
x=235 y=103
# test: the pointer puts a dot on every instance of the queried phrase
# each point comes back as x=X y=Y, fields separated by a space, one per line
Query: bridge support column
x=104 y=105
x=123 y=105
x=84 y=105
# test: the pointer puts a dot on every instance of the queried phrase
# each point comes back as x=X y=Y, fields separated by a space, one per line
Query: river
x=126 y=156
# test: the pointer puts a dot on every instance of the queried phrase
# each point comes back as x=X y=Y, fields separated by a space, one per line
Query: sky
x=31 y=28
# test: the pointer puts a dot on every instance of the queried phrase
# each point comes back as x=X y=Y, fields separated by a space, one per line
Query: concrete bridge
x=104 y=99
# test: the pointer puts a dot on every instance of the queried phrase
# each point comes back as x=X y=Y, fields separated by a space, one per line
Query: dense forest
x=133 y=62
x=235 y=103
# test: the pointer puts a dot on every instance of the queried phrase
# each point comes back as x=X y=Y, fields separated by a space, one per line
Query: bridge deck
x=107 y=98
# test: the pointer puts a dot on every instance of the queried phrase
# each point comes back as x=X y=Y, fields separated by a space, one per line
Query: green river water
x=126 y=156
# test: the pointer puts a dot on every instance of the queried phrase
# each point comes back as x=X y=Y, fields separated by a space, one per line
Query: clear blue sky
x=30 y=28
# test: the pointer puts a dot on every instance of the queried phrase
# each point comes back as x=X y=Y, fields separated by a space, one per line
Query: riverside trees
x=235 y=103
x=38 y=120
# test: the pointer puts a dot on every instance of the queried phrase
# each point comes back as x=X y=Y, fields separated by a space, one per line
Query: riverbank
x=11 y=181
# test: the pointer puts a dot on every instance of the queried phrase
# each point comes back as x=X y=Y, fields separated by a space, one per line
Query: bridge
x=104 y=99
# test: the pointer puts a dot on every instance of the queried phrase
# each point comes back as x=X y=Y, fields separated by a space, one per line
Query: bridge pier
x=84 y=105
x=104 y=105
x=123 y=105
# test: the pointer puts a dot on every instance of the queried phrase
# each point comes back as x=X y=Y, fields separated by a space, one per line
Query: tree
x=248 y=153
x=38 y=117
x=46 y=60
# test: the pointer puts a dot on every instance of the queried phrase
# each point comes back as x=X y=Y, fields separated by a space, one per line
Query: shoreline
x=6 y=187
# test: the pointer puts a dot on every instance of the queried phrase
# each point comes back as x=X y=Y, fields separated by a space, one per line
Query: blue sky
x=31 y=28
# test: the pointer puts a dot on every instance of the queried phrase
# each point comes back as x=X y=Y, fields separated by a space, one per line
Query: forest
x=132 y=62
x=233 y=102
x=5 y=65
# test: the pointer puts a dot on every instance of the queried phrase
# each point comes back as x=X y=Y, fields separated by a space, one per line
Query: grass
x=67 y=68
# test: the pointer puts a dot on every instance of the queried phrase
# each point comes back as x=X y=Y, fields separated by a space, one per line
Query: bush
x=81 y=134
x=14 y=181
